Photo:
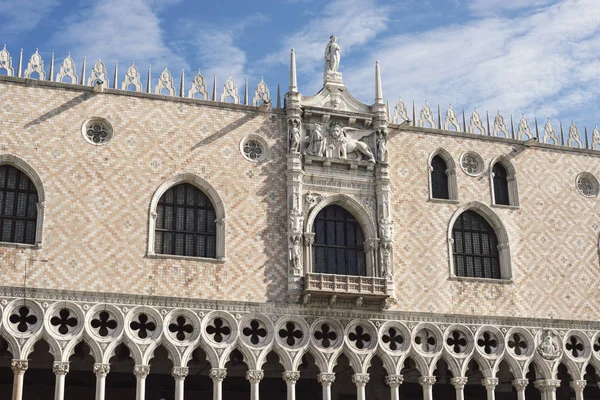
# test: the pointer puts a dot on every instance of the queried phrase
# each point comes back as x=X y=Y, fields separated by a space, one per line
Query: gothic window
x=185 y=223
x=439 y=179
x=18 y=206
x=475 y=247
x=338 y=246
x=500 y=178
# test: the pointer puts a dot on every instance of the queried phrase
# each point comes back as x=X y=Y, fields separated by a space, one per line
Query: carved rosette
x=218 y=374
x=180 y=372
x=394 y=380
x=427 y=381
x=255 y=376
x=60 y=368
x=141 y=371
x=291 y=376
x=19 y=366
x=459 y=382
x=101 y=370
x=360 y=379
x=326 y=378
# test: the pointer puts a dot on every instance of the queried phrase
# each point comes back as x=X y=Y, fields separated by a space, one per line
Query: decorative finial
x=378 y=90
x=293 y=78
x=214 y=93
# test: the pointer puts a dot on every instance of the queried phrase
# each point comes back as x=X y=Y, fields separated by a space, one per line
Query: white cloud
x=488 y=7
x=24 y=15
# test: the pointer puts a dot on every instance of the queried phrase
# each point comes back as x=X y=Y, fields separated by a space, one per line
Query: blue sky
x=537 y=57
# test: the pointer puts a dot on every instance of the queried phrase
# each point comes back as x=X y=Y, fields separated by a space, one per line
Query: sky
x=540 y=58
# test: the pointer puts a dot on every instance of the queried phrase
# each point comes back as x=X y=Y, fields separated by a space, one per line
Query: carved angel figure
x=347 y=145
x=548 y=348
x=295 y=136
x=317 y=142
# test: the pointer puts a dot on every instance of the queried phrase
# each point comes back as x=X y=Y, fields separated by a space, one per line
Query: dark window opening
x=439 y=179
x=18 y=206
x=500 y=184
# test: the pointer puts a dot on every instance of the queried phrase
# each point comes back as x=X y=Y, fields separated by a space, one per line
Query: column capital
x=217 y=374
x=459 y=382
x=141 y=371
x=360 y=379
x=60 y=368
x=546 y=385
x=179 y=372
x=101 y=370
x=489 y=383
x=578 y=385
x=291 y=376
x=19 y=366
x=326 y=378
x=255 y=375
x=427 y=380
x=394 y=380
x=520 y=384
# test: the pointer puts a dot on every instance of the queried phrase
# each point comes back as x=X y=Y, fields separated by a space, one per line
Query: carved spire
x=116 y=76
x=246 y=93
x=182 y=85
x=293 y=79
x=83 y=71
x=6 y=62
x=149 y=81
x=51 y=74
x=214 y=94
x=378 y=90
x=20 y=64
x=278 y=96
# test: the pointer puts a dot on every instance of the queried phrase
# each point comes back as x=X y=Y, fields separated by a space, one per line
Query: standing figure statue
x=295 y=136
x=382 y=152
x=332 y=56
x=317 y=142
x=296 y=254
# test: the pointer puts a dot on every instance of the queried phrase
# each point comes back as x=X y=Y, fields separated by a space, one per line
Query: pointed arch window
x=338 y=244
x=475 y=247
x=18 y=206
x=500 y=179
x=439 y=178
x=185 y=223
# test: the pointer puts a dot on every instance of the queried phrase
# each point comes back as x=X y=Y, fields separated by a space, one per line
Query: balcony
x=361 y=290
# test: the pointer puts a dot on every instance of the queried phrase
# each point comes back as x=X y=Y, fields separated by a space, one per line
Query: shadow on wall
x=60 y=109
x=224 y=131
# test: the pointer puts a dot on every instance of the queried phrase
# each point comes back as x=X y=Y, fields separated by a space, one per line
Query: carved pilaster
x=60 y=368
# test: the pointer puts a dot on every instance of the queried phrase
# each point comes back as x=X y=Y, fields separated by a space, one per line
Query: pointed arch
x=450 y=174
x=499 y=184
x=501 y=234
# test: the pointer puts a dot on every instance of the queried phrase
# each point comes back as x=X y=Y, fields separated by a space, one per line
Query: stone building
x=161 y=243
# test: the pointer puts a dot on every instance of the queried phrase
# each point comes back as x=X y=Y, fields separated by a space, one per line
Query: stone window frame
x=501 y=234
x=450 y=173
x=511 y=180
x=212 y=195
x=23 y=166
x=363 y=218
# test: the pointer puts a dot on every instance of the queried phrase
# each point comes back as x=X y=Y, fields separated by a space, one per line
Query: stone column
x=547 y=388
x=290 y=378
x=60 y=369
x=19 y=367
x=326 y=379
x=101 y=370
x=459 y=385
x=490 y=386
x=578 y=387
x=427 y=382
x=217 y=375
x=254 y=376
x=520 y=385
x=360 y=380
x=140 y=372
x=394 y=382
x=179 y=373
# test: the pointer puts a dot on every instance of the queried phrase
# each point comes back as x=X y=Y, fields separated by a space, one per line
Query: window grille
x=338 y=246
x=475 y=247
x=18 y=206
x=185 y=223
x=500 y=185
x=439 y=179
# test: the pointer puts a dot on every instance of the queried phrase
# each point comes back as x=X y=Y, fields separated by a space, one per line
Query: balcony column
x=370 y=246
x=60 y=369
x=326 y=379
x=459 y=385
x=179 y=374
x=490 y=387
x=520 y=385
x=290 y=378
x=140 y=372
x=547 y=388
x=578 y=387
x=101 y=370
x=218 y=375
x=427 y=382
x=360 y=380
x=394 y=382
x=254 y=376
x=19 y=367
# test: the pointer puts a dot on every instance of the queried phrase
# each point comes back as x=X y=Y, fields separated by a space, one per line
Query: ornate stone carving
x=6 y=62
x=309 y=239
x=141 y=371
x=198 y=87
x=520 y=384
x=132 y=77
x=394 y=380
x=400 y=112
x=500 y=126
x=427 y=380
x=101 y=370
x=294 y=135
x=382 y=151
x=291 y=376
x=360 y=379
x=261 y=93
x=451 y=119
x=459 y=382
x=312 y=199
x=547 y=385
x=165 y=82
x=295 y=253
x=35 y=64
x=548 y=348
x=578 y=385
x=19 y=366
x=386 y=229
x=595 y=137
x=296 y=220
x=255 y=375
x=332 y=61
x=426 y=116
x=326 y=378
x=180 y=372
x=317 y=142
x=524 y=131
x=476 y=123
x=230 y=90
x=386 y=264
x=67 y=69
x=489 y=383
x=98 y=74
x=218 y=374
x=346 y=142
x=549 y=133
x=574 y=136
x=60 y=368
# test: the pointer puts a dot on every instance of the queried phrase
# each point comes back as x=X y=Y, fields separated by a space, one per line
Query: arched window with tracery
x=439 y=178
x=18 y=206
x=338 y=245
x=475 y=247
x=500 y=178
x=185 y=223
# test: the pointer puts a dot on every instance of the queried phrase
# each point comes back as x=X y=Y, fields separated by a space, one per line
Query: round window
x=97 y=131
x=254 y=148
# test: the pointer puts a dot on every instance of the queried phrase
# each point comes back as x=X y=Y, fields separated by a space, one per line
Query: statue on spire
x=332 y=61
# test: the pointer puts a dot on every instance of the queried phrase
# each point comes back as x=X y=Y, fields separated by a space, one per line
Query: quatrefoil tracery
x=143 y=325
x=255 y=332
x=488 y=343
x=23 y=319
x=518 y=344
x=575 y=346
x=103 y=323
x=180 y=328
x=219 y=330
x=325 y=335
x=426 y=340
x=457 y=341
x=64 y=321
x=393 y=338
x=359 y=337
x=290 y=334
